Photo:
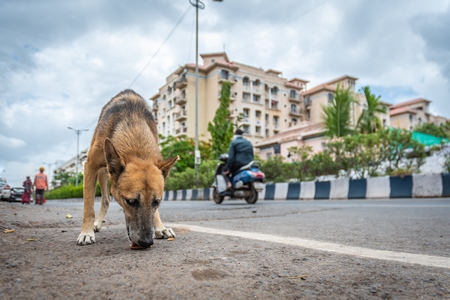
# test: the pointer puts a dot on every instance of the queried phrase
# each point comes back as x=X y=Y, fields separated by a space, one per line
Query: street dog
x=124 y=149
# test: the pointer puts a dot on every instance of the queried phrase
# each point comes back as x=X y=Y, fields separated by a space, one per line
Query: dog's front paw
x=164 y=233
x=86 y=238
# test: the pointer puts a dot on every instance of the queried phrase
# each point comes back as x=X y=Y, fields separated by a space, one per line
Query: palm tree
x=368 y=122
x=337 y=115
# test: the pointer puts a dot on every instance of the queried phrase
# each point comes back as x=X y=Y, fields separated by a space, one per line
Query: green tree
x=369 y=122
x=221 y=128
x=442 y=131
x=63 y=178
x=337 y=115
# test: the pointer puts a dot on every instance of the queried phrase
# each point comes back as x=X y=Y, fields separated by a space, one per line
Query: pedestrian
x=40 y=185
x=28 y=189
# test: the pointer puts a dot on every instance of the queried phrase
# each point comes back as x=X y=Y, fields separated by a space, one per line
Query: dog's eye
x=132 y=202
x=155 y=202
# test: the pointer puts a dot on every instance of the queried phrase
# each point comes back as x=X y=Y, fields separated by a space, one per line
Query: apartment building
x=311 y=132
x=266 y=101
x=410 y=114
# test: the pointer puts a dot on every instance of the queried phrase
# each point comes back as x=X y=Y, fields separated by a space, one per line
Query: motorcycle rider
x=240 y=153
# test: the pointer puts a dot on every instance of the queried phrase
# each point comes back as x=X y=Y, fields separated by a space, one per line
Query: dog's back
x=127 y=120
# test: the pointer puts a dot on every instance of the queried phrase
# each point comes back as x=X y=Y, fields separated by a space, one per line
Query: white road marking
x=410 y=258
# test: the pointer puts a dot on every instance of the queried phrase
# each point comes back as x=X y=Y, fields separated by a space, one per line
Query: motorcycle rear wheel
x=218 y=199
x=253 y=195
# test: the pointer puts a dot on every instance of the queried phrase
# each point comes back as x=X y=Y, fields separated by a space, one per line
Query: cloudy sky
x=61 y=61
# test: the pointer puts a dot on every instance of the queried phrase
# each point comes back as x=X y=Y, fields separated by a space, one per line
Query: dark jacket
x=240 y=153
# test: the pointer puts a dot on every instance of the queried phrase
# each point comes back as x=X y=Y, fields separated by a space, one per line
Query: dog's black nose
x=145 y=244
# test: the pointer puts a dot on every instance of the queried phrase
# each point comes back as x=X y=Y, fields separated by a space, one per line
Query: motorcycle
x=247 y=182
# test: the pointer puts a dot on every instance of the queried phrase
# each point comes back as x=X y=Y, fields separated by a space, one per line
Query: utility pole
x=78 y=132
x=197 y=4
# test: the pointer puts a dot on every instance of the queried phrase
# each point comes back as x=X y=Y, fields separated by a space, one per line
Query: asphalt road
x=361 y=249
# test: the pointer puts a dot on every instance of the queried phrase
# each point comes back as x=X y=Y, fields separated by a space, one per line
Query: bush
x=69 y=191
x=186 y=180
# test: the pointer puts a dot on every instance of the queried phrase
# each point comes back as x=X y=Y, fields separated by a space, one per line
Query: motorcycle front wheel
x=253 y=197
x=218 y=199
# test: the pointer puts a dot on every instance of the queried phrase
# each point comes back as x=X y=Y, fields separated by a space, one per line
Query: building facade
x=265 y=102
x=410 y=114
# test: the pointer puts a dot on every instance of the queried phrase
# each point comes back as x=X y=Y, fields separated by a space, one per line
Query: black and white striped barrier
x=411 y=186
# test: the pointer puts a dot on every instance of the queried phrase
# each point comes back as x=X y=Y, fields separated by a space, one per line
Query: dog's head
x=138 y=186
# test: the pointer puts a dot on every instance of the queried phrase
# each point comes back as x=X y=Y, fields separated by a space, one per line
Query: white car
x=6 y=192
x=2 y=185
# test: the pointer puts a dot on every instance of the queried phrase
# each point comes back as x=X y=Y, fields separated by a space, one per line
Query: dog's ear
x=167 y=164
x=113 y=161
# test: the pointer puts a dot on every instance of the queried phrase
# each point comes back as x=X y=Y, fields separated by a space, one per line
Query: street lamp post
x=197 y=4
x=78 y=132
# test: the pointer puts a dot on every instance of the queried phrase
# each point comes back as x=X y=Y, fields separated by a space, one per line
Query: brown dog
x=125 y=149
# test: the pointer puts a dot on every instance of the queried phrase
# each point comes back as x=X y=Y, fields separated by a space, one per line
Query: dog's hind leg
x=161 y=232
x=87 y=235
x=103 y=180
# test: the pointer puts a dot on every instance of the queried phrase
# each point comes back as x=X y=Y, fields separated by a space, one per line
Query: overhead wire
x=157 y=51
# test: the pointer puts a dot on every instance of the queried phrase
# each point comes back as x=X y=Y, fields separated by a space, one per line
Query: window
x=258 y=114
x=384 y=122
x=256 y=83
x=293 y=94
x=256 y=98
x=266 y=118
x=258 y=130
x=274 y=90
x=411 y=118
x=274 y=104
x=246 y=81
x=419 y=121
x=293 y=108
x=246 y=112
x=267 y=132
x=276 y=119
x=330 y=98
x=224 y=74
x=246 y=129
x=246 y=97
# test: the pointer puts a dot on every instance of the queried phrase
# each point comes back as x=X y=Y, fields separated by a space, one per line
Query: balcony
x=308 y=103
x=180 y=100
x=295 y=112
x=232 y=79
x=181 y=116
x=181 y=83
x=294 y=98
x=155 y=106
x=181 y=130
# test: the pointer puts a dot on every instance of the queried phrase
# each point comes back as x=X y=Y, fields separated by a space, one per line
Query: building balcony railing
x=294 y=98
x=181 y=83
x=231 y=79
x=295 y=112
x=182 y=115
x=181 y=130
x=180 y=100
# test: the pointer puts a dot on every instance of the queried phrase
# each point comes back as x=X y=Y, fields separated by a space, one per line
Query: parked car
x=6 y=192
x=2 y=185
x=16 y=194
